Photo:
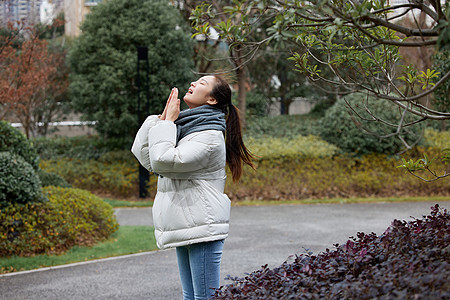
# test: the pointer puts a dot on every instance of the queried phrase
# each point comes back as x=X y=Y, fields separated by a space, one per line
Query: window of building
x=92 y=2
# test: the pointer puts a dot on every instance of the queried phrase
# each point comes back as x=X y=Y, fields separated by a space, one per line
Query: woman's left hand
x=173 y=106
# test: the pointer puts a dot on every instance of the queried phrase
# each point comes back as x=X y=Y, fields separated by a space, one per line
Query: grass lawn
x=125 y=203
x=127 y=240
x=435 y=199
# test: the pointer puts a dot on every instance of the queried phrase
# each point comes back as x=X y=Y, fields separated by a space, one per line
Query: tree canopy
x=347 y=46
x=104 y=62
x=33 y=77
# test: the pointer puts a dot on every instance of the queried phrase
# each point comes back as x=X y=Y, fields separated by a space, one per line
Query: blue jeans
x=199 y=266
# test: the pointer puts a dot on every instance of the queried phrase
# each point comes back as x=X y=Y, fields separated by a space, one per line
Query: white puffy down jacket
x=190 y=205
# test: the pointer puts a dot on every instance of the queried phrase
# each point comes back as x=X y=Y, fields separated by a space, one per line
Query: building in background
x=75 y=12
x=20 y=10
x=29 y=11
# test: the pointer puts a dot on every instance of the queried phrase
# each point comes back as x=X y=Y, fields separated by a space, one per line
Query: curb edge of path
x=80 y=263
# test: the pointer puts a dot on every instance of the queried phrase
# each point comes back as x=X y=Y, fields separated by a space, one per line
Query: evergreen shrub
x=70 y=217
x=342 y=127
x=117 y=178
x=256 y=103
x=19 y=182
x=14 y=141
x=338 y=176
x=408 y=261
x=78 y=147
x=51 y=179
x=284 y=126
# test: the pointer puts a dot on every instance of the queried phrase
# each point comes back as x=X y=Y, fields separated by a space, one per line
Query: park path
x=258 y=235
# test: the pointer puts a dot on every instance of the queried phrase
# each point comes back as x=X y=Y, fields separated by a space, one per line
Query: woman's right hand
x=173 y=106
x=164 y=113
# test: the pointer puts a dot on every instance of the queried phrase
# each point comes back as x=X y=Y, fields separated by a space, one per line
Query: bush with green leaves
x=70 y=217
x=14 y=141
x=353 y=131
x=437 y=139
x=256 y=103
x=51 y=179
x=284 y=126
x=78 y=147
x=115 y=177
x=269 y=148
x=19 y=182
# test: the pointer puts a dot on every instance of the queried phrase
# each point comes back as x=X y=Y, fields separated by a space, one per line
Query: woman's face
x=199 y=92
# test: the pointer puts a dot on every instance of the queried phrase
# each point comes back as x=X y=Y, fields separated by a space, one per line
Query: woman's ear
x=211 y=101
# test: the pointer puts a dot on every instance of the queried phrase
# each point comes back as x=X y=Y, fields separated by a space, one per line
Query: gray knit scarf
x=205 y=117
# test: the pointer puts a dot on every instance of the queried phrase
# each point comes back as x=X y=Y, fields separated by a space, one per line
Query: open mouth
x=190 y=91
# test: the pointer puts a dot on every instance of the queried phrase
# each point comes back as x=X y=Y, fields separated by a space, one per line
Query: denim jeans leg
x=205 y=265
x=185 y=272
x=201 y=268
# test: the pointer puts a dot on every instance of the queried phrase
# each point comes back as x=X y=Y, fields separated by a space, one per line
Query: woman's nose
x=193 y=84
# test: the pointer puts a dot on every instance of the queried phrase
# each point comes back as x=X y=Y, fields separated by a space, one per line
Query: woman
x=188 y=151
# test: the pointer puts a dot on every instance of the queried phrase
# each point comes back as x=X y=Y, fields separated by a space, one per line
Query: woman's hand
x=172 y=109
x=163 y=115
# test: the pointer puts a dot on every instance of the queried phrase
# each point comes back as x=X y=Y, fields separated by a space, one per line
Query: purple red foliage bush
x=409 y=261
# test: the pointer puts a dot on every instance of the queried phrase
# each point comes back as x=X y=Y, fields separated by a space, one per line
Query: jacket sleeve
x=140 y=147
x=166 y=157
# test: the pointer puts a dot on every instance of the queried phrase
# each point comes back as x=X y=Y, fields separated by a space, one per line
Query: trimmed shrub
x=19 y=182
x=51 y=179
x=70 y=217
x=305 y=168
x=287 y=126
x=437 y=139
x=296 y=166
x=14 y=141
x=343 y=128
x=374 y=175
x=296 y=147
x=256 y=103
x=115 y=178
x=408 y=261
x=79 y=147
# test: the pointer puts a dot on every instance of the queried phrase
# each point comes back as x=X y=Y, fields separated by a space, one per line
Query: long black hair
x=237 y=153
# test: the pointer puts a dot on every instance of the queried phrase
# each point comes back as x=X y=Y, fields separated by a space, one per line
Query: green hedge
x=267 y=148
x=113 y=179
x=287 y=126
x=356 y=132
x=14 y=141
x=374 y=175
x=70 y=217
x=19 y=182
x=52 y=179
x=296 y=168
x=80 y=147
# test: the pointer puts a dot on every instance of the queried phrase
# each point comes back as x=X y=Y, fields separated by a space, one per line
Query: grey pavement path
x=258 y=235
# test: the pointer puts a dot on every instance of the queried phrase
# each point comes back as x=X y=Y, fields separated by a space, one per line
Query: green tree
x=353 y=45
x=103 y=60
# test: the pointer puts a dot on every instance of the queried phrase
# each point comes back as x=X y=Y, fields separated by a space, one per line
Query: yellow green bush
x=70 y=217
x=298 y=146
x=437 y=139
x=330 y=177
x=105 y=178
x=298 y=167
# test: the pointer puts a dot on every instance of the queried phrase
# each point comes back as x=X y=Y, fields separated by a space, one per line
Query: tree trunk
x=240 y=73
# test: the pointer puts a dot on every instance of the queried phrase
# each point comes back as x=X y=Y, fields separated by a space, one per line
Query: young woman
x=189 y=152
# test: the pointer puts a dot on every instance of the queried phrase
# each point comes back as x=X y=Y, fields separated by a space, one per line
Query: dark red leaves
x=409 y=261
